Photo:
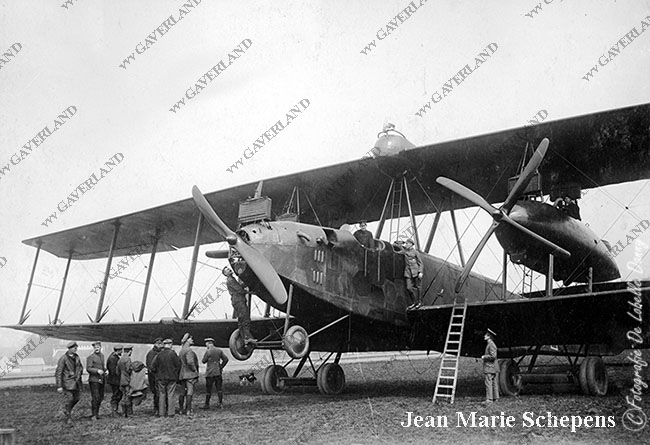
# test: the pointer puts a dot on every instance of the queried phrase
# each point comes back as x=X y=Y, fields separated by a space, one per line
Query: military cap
x=409 y=240
x=186 y=337
x=158 y=339
x=491 y=332
x=168 y=341
x=209 y=339
x=72 y=344
x=96 y=343
x=118 y=348
x=128 y=348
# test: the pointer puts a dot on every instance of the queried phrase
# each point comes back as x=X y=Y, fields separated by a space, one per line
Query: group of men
x=413 y=268
x=165 y=371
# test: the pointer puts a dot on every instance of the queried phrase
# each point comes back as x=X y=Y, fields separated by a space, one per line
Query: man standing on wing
x=216 y=360
x=68 y=379
x=113 y=378
x=157 y=347
x=166 y=366
x=96 y=373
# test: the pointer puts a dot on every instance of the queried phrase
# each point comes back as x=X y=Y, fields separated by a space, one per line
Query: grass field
x=375 y=402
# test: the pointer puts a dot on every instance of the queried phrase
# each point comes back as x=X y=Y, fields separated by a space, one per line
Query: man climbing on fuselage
x=239 y=304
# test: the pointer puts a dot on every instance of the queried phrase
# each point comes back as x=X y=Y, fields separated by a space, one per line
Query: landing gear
x=272 y=380
x=593 y=377
x=296 y=342
x=238 y=347
x=510 y=382
x=588 y=372
x=330 y=379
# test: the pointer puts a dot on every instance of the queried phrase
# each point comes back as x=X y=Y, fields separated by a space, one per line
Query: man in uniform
x=364 y=236
x=113 y=378
x=157 y=347
x=239 y=304
x=125 y=368
x=188 y=376
x=216 y=360
x=568 y=206
x=96 y=373
x=490 y=368
x=166 y=366
x=68 y=379
x=413 y=271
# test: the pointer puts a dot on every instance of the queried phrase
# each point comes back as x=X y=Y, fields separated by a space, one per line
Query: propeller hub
x=231 y=239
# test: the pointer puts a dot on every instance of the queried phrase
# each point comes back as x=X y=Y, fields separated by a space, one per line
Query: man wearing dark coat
x=113 y=378
x=151 y=375
x=239 y=304
x=189 y=375
x=364 y=236
x=68 y=379
x=413 y=271
x=216 y=360
x=166 y=366
x=490 y=366
x=125 y=368
x=96 y=373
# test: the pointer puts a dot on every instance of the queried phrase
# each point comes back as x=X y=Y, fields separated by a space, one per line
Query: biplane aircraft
x=339 y=296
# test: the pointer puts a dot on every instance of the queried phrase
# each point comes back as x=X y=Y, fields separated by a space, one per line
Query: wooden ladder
x=448 y=372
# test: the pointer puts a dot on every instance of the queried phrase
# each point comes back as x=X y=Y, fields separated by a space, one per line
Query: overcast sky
x=299 y=50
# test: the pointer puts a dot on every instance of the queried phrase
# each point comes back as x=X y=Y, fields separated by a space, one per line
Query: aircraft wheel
x=597 y=377
x=510 y=383
x=271 y=378
x=296 y=342
x=330 y=379
x=582 y=376
x=238 y=348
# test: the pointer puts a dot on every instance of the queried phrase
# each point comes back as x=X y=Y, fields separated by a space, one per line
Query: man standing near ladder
x=490 y=368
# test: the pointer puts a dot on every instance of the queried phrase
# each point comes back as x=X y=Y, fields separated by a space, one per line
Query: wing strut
x=24 y=317
x=154 y=247
x=65 y=279
x=100 y=303
x=195 y=257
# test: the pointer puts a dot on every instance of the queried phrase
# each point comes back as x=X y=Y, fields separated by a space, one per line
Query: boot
x=125 y=409
x=181 y=404
x=190 y=413
x=206 y=405
x=248 y=337
x=114 y=408
x=130 y=409
x=220 y=394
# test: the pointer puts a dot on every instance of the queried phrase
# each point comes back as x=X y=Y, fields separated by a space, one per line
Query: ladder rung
x=456 y=324
x=444 y=386
x=453 y=341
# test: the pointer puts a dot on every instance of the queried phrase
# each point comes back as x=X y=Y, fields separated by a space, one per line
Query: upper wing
x=592 y=150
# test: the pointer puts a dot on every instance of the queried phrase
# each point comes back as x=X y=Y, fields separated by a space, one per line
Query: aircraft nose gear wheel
x=509 y=379
x=239 y=349
x=593 y=376
x=296 y=342
x=330 y=379
x=271 y=383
